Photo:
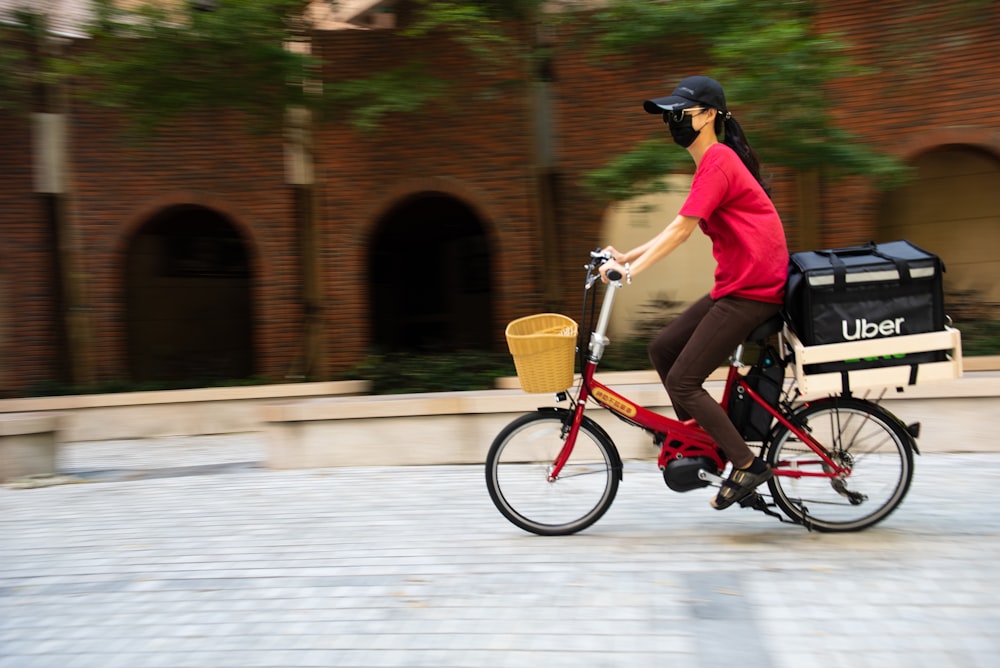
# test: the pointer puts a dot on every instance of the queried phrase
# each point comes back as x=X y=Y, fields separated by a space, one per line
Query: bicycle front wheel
x=856 y=434
x=520 y=462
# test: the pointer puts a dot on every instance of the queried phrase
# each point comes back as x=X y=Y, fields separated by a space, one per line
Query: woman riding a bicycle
x=730 y=203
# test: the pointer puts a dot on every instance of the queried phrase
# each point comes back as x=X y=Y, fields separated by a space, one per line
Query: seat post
x=736 y=359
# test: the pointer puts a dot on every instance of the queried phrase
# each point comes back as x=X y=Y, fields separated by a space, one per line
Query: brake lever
x=598 y=257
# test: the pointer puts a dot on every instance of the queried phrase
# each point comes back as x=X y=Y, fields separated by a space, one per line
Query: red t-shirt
x=748 y=241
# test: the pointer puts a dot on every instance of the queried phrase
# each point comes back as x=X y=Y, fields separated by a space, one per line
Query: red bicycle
x=840 y=463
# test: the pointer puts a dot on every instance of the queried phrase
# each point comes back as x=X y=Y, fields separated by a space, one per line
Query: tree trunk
x=543 y=161
x=51 y=138
x=301 y=173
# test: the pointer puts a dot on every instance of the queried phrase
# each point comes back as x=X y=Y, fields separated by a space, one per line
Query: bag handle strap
x=871 y=248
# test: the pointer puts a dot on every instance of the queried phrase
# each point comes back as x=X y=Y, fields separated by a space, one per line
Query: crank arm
x=755 y=501
x=710 y=478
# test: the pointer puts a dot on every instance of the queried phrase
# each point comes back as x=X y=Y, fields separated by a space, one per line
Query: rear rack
x=865 y=355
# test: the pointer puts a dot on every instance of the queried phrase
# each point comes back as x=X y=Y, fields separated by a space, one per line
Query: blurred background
x=204 y=192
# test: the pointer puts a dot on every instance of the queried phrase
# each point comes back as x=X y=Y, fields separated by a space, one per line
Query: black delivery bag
x=865 y=292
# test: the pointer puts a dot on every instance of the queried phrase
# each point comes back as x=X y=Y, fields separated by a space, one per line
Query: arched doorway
x=951 y=208
x=188 y=299
x=429 y=278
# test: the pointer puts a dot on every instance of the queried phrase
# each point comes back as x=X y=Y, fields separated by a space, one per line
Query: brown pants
x=691 y=347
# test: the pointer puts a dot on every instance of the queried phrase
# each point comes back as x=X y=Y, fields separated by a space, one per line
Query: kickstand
x=756 y=502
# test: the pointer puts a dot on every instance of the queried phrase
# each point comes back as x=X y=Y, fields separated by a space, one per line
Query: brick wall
x=28 y=332
x=935 y=88
x=472 y=145
x=211 y=161
x=939 y=63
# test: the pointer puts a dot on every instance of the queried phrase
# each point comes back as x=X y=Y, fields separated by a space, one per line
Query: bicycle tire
x=856 y=433
x=517 y=474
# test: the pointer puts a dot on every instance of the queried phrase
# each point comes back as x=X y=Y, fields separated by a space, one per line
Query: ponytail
x=736 y=140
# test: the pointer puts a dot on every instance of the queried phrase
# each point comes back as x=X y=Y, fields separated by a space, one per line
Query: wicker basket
x=543 y=347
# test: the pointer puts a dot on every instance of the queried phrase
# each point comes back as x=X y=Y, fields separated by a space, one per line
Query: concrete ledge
x=985 y=363
x=322 y=424
x=427 y=429
x=216 y=410
x=28 y=445
x=614 y=378
x=458 y=427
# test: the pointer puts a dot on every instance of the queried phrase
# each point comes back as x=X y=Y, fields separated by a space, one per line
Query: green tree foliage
x=366 y=101
x=158 y=60
x=13 y=87
x=155 y=62
x=775 y=68
x=488 y=29
x=773 y=62
x=482 y=27
x=24 y=63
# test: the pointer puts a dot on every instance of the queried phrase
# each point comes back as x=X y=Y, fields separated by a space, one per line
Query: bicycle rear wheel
x=520 y=461
x=856 y=434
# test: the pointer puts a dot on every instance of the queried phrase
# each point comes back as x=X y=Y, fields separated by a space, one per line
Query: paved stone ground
x=183 y=553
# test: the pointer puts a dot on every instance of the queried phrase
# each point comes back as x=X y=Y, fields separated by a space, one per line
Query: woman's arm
x=646 y=255
x=664 y=243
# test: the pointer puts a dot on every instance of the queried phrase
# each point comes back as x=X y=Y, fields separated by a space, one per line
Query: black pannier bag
x=766 y=378
x=865 y=292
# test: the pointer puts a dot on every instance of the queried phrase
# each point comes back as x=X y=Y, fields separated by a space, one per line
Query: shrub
x=402 y=373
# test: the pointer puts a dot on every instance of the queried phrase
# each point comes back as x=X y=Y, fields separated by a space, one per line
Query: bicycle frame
x=680 y=438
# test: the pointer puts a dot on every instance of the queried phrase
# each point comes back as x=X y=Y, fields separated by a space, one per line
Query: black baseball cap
x=696 y=91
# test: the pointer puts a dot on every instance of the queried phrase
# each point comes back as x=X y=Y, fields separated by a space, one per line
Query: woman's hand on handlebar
x=614 y=265
x=614 y=268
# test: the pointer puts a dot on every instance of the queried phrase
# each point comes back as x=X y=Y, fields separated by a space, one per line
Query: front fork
x=571 y=428
x=598 y=342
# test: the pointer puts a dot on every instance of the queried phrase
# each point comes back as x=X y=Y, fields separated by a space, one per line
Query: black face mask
x=683 y=132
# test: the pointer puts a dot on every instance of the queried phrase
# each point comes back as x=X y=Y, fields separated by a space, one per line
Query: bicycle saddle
x=769 y=327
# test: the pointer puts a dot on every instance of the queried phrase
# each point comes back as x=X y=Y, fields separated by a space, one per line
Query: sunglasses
x=678 y=116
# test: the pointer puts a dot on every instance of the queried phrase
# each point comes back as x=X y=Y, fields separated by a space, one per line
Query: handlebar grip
x=614 y=275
